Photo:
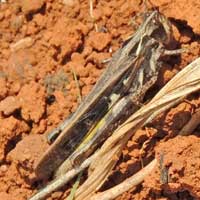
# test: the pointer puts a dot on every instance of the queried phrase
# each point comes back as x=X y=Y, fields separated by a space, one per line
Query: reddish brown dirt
x=41 y=41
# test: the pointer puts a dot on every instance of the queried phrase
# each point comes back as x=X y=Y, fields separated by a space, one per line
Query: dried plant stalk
x=58 y=183
x=184 y=83
x=127 y=184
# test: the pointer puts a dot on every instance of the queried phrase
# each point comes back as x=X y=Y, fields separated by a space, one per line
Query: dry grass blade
x=77 y=84
x=184 y=83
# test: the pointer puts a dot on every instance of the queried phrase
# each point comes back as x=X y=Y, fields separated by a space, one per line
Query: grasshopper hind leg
x=53 y=135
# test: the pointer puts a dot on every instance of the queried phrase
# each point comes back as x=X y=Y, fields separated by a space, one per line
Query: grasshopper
x=118 y=93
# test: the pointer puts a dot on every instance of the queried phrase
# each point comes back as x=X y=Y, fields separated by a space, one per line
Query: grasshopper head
x=161 y=28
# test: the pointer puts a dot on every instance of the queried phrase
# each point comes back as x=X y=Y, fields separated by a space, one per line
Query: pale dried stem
x=62 y=180
x=127 y=184
x=77 y=84
x=102 y=174
x=92 y=15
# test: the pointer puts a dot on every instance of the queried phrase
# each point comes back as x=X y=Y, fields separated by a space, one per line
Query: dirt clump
x=181 y=163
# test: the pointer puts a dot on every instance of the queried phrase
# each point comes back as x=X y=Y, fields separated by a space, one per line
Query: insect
x=118 y=93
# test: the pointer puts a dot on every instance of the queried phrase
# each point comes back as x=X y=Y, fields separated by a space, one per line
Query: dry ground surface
x=41 y=41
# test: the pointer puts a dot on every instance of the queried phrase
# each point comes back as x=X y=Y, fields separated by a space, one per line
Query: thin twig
x=62 y=180
x=77 y=84
x=127 y=184
x=92 y=15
